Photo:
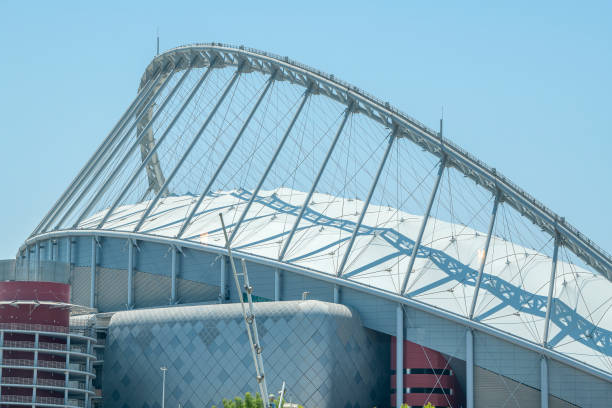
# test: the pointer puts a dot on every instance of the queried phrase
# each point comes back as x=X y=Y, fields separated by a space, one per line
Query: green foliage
x=249 y=402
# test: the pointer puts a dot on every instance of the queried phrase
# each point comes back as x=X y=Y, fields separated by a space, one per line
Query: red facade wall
x=430 y=379
x=34 y=314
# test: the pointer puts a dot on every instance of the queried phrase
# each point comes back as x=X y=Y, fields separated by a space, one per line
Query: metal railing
x=42 y=400
x=17 y=380
x=43 y=382
x=44 y=346
x=81 y=330
x=22 y=362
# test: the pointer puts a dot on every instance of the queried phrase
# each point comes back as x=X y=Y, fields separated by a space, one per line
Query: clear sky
x=525 y=86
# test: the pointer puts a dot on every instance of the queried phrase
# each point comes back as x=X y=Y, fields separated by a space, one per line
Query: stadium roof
x=312 y=172
x=515 y=284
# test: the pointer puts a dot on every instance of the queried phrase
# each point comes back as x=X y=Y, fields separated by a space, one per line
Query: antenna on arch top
x=157 y=41
x=441 y=123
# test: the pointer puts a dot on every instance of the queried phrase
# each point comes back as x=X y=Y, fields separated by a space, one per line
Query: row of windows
x=437 y=371
x=418 y=390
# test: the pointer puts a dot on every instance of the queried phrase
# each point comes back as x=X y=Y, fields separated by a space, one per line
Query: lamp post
x=163 y=369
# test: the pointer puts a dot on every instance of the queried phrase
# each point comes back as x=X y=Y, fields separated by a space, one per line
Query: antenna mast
x=157 y=41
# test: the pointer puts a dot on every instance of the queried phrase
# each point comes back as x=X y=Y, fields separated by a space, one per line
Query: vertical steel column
x=227 y=155
x=37 y=270
x=271 y=163
x=551 y=289
x=399 y=355
x=277 y=278
x=174 y=273
x=366 y=204
x=92 y=288
x=160 y=140
x=316 y=181
x=195 y=140
x=484 y=255
x=69 y=252
x=130 y=271
x=417 y=243
x=544 y=388
x=336 y=294
x=223 y=280
x=469 y=369
x=128 y=154
x=67 y=194
x=27 y=262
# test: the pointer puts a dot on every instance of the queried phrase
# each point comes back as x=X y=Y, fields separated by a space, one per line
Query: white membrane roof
x=515 y=283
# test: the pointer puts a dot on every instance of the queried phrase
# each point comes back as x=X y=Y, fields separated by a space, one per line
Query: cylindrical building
x=44 y=361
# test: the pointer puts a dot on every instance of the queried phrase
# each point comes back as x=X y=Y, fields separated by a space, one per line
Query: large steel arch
x=284 y=69
x=166 y=82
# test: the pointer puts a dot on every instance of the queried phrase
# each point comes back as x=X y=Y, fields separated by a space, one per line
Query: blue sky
x=525 y=86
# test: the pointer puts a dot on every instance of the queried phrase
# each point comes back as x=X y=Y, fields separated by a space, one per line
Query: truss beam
x=126 y=157
x=551 y=290
x=206 y=190
x=417 y=243
x=195 y=140
x=152 y=152
x=485 y=251
x=366 y=204
x=115 y=150
x=305 y=97
x=314 y=184
x=143 y=95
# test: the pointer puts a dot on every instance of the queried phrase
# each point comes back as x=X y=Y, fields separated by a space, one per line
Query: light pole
x=163 y=369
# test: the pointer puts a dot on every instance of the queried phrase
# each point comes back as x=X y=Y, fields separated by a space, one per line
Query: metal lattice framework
x=316 y=175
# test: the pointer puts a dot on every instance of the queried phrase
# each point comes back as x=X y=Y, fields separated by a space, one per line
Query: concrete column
x=66 y=374
x=544 y=382
x=69 y=254
x=277 y=279
x=469 y=369
x=27 y=262
x=223 y=280
x=37 y=269
x=174 y=272
x=35 y=375
x=399 y=356
x=336 y=294
x=92 y=291
x=130 y=271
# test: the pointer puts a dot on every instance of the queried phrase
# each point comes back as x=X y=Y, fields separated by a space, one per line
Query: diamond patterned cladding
x=320 y=349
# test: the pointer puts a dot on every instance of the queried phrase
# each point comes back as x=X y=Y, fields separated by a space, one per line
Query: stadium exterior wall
x=321 y=350
x=199 y=266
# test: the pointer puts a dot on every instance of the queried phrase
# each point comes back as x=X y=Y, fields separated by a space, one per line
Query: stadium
x=389 y=265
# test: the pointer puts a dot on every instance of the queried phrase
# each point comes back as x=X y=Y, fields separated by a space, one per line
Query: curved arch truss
x=314 y=173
